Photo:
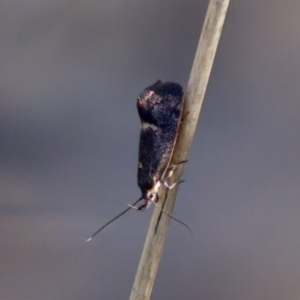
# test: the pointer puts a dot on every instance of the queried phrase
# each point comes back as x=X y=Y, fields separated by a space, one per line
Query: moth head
x=149 y=198
x=152 y=197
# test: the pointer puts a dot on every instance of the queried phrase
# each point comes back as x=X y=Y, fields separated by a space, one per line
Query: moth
x=160 y=109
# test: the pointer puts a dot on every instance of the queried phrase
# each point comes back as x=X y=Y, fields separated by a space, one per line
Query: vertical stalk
x=156 y=236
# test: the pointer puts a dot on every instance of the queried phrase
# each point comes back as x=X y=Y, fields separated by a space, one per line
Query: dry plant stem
x=146 y=273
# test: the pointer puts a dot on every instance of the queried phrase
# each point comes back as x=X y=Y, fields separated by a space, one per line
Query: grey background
x=70 y=75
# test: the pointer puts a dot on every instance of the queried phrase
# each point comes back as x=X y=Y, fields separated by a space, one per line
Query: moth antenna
x=115 y=218
x=175 y=219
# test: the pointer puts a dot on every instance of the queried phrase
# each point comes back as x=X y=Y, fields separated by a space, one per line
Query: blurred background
x=70 y=75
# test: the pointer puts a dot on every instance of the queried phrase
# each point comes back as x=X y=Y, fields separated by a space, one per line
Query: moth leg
x=171 y=170
x=133 y=207
x=141 y=207
x=169 y=173
x=172 y=185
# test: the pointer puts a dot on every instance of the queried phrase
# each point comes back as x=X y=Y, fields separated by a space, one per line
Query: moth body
x=159 y=107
